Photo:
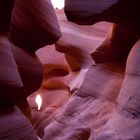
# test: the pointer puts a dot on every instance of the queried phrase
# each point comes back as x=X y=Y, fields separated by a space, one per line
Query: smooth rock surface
x=33 y=24
x=122 y=12
x=14 y=125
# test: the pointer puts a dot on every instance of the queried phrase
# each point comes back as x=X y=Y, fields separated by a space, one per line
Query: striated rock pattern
x=122 y=12
x=74 y=99
x=90 y=84
x=33 y=24
x=23 y=62
x=88 y=110
x=124 y=38
x=14 y=125
x=25 y=26
x=7 y=78
x=124 y=123
x=106 y=105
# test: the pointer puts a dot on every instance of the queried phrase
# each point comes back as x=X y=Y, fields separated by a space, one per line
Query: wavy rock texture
x=124 y=123
x=9 y=74
x=14 y=125
x=117 y=11
x=77 y=101
x=82 y=100
x=106 y=104
x=33 y=24
x=25 y=26
x=88 y=109
x=28 y=25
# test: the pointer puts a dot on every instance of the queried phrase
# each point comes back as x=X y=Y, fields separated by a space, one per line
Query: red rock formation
x=60 y=82
x=25 y=26
x=14 y=125
x=117 y=11
x=124 y=122
x=33 y=24
x=106 y=106
x=81 y=99
x=44 y=25
x=9 y=75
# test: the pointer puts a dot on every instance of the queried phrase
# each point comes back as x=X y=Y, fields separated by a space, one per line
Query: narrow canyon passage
x=69 y=70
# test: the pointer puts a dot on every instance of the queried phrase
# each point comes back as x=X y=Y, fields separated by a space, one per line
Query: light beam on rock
x=38 y=100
